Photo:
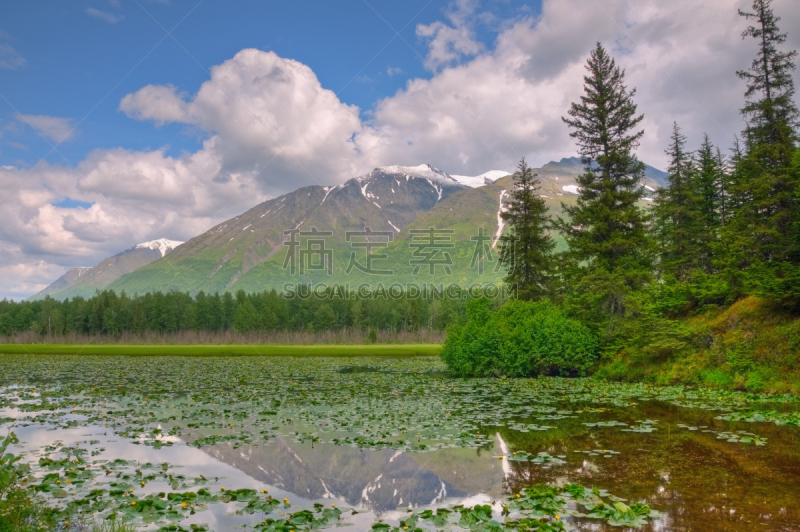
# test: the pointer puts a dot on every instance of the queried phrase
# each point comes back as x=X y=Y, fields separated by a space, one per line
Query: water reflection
x=378 y=480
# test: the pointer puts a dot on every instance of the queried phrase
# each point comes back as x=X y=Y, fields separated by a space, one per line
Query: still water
x=380 y=436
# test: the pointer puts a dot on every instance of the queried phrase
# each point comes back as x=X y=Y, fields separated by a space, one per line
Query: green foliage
x=521 y=339
x=770 y=109
x=763 y=223
x=526 y=250
x=679 y=224
x=9 y=470
x=751 y=345
x=109 y=313
x=606 y=229
x=113 y=526
x=19 y=512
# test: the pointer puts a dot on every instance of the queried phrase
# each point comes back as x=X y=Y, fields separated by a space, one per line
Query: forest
x=701 y=287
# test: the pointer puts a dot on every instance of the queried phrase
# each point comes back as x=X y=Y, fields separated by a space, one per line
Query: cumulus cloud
x=268 y=117
x=54 y=128
x=507 y=102
x=450 y=43
x=270 y=126
x=111 y=18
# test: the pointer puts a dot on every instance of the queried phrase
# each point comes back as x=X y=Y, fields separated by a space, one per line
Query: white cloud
x=10 y=58
x=270 y=126
x=54 y=128
x=111 y=18
x=507 y=102
x=268 y=117
x=159 y=103
x=394 y=71
x=449 y=44
x=27 y=277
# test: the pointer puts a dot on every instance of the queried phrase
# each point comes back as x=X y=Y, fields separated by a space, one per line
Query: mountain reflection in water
x=378 y=480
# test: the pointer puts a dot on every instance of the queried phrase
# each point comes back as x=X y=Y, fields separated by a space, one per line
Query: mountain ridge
x=251 y=251
x=84 y=281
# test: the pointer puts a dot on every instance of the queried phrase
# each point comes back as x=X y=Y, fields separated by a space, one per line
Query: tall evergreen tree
x=606 y=229
x=527 y=248
x=767 y=185
x=709 y=182
x=677 y=213
x=770 y=109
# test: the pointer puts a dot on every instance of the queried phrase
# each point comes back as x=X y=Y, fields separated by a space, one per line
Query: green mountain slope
x=252 y=252
x=249 y=251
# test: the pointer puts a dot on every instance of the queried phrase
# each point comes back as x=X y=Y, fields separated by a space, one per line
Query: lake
x=374 y=442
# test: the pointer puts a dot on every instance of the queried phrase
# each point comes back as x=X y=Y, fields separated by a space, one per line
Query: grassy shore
x=317 y=350
x=750 y=346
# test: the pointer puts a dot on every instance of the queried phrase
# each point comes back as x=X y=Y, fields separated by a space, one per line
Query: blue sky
x=81 y=58
x=114 y=133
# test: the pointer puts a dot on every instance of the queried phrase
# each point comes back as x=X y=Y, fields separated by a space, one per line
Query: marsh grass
x=304 y=337
x=113 y=526
x=224 y=350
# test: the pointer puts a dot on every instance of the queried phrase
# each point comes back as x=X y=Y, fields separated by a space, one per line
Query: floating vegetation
x=165 y=404
x=643 y=426
x=607 y=453
x=601 y=424
x=790 y=419
x=538 y=508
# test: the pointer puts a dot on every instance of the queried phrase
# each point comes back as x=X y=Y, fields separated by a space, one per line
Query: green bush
x=520 y=339
x=19 y=512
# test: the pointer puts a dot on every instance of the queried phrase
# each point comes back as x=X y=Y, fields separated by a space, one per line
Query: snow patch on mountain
x=501 y=224
x=328 y=191
x=572 y=189
x=486 y=178
x=438 y=189
x=424 y=171
x=163 y=245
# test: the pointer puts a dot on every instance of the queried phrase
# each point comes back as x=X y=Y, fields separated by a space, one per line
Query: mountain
x=85 y=281
x=248 y=251
x=399 y=204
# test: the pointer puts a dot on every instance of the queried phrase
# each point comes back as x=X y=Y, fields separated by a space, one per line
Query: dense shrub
x=520 y=339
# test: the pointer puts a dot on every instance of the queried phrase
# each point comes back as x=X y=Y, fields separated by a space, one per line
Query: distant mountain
x=85 y=281
x=248 y=251
x=254 y=252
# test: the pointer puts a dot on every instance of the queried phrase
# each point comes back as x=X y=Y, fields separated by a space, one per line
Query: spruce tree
x=606 y=230
x=709 y=180
x=770 y=110
x=677 y=213
x=526 y=250
x=767 y=185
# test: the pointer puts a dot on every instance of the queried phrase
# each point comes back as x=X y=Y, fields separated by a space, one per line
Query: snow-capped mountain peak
x=424 y=171
x=163 y=245
x=486 y=178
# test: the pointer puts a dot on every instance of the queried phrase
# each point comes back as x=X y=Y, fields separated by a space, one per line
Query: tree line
x=110 y=313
